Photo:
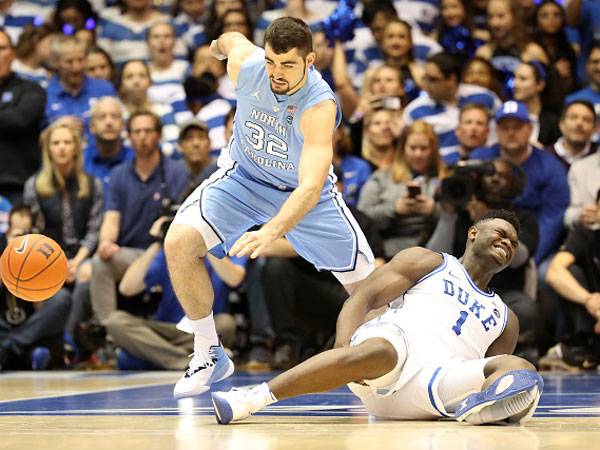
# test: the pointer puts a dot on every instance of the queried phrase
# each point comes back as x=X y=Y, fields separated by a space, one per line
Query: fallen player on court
x=441 y=349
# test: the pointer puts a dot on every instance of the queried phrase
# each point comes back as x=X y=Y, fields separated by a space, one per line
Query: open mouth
x=500 y=250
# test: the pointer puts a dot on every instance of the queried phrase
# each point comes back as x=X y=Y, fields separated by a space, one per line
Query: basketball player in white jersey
x=442 y=349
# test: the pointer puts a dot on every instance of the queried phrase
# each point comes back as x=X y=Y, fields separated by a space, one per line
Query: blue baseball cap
x=518 y=110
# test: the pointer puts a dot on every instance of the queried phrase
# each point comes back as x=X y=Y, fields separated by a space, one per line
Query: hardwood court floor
x=135 y=410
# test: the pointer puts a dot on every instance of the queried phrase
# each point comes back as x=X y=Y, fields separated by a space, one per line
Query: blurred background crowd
x=111 y=112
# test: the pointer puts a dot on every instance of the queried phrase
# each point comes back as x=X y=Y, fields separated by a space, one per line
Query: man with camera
x=140 y=191
x=475 y=188
x=546 y=191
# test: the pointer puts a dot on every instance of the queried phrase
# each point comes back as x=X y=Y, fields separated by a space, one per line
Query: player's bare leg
x=185 y=251
x=510 y=392
x=369 y=360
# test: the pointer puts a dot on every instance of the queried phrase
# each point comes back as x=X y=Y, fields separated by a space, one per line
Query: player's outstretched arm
x=317 y=125
x=234 y=47
x=383 y=286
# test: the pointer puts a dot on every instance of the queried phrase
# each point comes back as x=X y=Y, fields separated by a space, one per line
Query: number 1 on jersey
x=459 y=323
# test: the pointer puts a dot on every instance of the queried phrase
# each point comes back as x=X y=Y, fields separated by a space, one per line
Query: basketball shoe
x=237 y=404
x=512 y=398
x=203 y=370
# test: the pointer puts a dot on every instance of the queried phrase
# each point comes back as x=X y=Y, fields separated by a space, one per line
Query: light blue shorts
x=228 y=204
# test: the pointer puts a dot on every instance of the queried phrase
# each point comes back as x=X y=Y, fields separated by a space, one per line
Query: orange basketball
x=33 y=267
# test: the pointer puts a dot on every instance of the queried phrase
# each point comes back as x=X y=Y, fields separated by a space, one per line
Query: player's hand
x=156 y=228
x=563 y=67
x=405 y=205
x=106 y=249
x=592 y=304
x=215 y=51
x=588 y=216
x=253 y=243
x=425 y=205
x=72 y=268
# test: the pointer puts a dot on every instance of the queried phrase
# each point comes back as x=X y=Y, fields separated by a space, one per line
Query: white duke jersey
x=445 y=316
x=267 y=140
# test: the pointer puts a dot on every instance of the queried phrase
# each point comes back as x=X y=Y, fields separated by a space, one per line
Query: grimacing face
x=495 y=242
x=286 y=71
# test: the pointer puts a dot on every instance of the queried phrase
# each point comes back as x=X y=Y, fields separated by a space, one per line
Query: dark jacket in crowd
x=21 y=111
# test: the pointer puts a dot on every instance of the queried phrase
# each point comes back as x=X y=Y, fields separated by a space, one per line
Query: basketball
x=33 y=267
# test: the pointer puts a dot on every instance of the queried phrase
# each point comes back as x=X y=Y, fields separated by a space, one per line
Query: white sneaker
x=203 y=371
x=238 y=404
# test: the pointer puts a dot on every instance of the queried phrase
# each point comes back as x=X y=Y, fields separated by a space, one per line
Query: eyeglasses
x=429 y=79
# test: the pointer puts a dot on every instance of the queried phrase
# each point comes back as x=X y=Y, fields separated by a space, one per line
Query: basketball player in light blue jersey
x=441 y=349
x=275 y=173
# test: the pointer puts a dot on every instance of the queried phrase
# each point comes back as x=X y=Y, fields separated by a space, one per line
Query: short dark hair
x=585 y=103
x=287 y=33
x=22 y=208
x=447 y=63
x=594 y=46
x=503 y=214
x=478 y=106
x=145 y=112
x=375 y=7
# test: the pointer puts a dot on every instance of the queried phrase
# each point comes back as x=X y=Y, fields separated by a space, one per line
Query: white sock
x=205 y=333
x=266 y=393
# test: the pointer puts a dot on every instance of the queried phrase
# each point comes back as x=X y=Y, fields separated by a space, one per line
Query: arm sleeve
x=371 y=204
x=575 y=244
x=114 y=202
x=29 y=195
x=26 y=112
x=555 y=195
x=578 y=197
x=442 y=239
x=90 y=240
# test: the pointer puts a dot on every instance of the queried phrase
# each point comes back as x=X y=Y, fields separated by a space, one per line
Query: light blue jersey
x=267 y=141
x=258 y=173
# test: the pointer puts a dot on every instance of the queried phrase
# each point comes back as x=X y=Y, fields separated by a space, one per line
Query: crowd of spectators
x=111 y=111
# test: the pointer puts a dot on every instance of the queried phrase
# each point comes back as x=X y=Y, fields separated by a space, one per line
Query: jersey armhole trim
x=439 y=268
x=506 y=311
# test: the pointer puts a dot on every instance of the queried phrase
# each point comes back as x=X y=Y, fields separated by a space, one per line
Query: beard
x=279 y=89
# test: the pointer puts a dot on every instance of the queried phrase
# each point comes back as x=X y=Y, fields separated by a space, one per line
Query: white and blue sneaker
x=512 y=398
x=238 y=404
x=203 y=371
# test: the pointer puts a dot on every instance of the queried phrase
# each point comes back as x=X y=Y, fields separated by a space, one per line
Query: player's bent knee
x=507 y=363
x=183 y=241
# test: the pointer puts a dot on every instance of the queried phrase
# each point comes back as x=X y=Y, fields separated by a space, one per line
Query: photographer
x=156 y=342
x=140 y=191
x=475 y=188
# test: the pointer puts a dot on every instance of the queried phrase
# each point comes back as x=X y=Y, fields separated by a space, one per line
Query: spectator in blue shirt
x=105 y=148
x=71 y=92
x=140 y=191
x=592 y=92
x=355 y=170
x=546 y=191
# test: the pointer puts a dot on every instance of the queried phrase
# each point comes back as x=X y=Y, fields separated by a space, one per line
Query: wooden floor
x=131 y=411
